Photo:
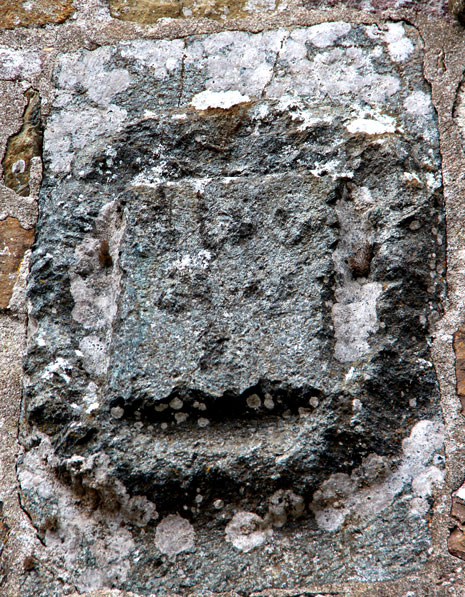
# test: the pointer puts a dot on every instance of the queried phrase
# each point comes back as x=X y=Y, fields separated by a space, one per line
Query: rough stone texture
x=149 y=11
x=459 y=348
x=14 y=242
x=4 y=530
x=456 y=541
x=14 y=13
x=240 y=256
x=457 y=8
x=432 y=7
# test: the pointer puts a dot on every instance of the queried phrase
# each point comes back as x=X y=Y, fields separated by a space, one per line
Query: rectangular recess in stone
x=231 y=296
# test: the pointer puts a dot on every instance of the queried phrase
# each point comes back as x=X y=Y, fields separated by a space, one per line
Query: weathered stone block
x=436 y=8
x=150 y=11
x=459 y=349
x=232 y=288
x=14 y=13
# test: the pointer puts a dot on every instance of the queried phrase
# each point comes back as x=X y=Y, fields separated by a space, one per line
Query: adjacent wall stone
x=150 y=11
x=239 y=258
x=14 y=13
x=14 y=242
x=23 y=147
x=459 y=348
x=438 y=8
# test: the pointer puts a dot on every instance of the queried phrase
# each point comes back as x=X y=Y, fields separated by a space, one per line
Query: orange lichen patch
x=459 y=348
x=17 y=13
x=14 y=242
x=149 y=11
x=23 y=146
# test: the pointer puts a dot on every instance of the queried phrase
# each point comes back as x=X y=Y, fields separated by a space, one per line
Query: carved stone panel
x=238 y=263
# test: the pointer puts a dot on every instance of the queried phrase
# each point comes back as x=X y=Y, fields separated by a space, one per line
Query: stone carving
x=231 y=294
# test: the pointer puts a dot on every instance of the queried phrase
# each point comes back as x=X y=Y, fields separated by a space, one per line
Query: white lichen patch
x=91 y=74
x=326 y=34
x=218 y=99
x=94 y=354
x=299 y=110
x=354 y=316
x=373 y=126
x=419 y=104
x=331 y=168
x=174 y=535
x=95 y=289
x=235 y=60
x=109 y=544
x=362 y=198
x=58 y=367
x=73 y=129
x=162 y=58
x=399 y=45
x=345 y=496
x=199 y=261
x=335 y=72
x=15 y=64
x=246 y=531
x=254 y=6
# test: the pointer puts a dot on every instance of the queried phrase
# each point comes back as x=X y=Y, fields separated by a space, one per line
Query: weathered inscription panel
x=239 y=258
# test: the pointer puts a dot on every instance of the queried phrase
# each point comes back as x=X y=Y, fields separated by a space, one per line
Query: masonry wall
x=231 y=286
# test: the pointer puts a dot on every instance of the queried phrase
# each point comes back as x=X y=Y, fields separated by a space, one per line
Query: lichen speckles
x=150 y=11
x=354 y=316
x=230 y=303
x=34 y=12
x=15 y=64
x=246 y=531
x=219 y=99
x=174 y=535
x=23 y=147
x=68 y=517
x=372 y=487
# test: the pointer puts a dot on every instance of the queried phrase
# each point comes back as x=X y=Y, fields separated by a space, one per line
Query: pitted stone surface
x=239 y=258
